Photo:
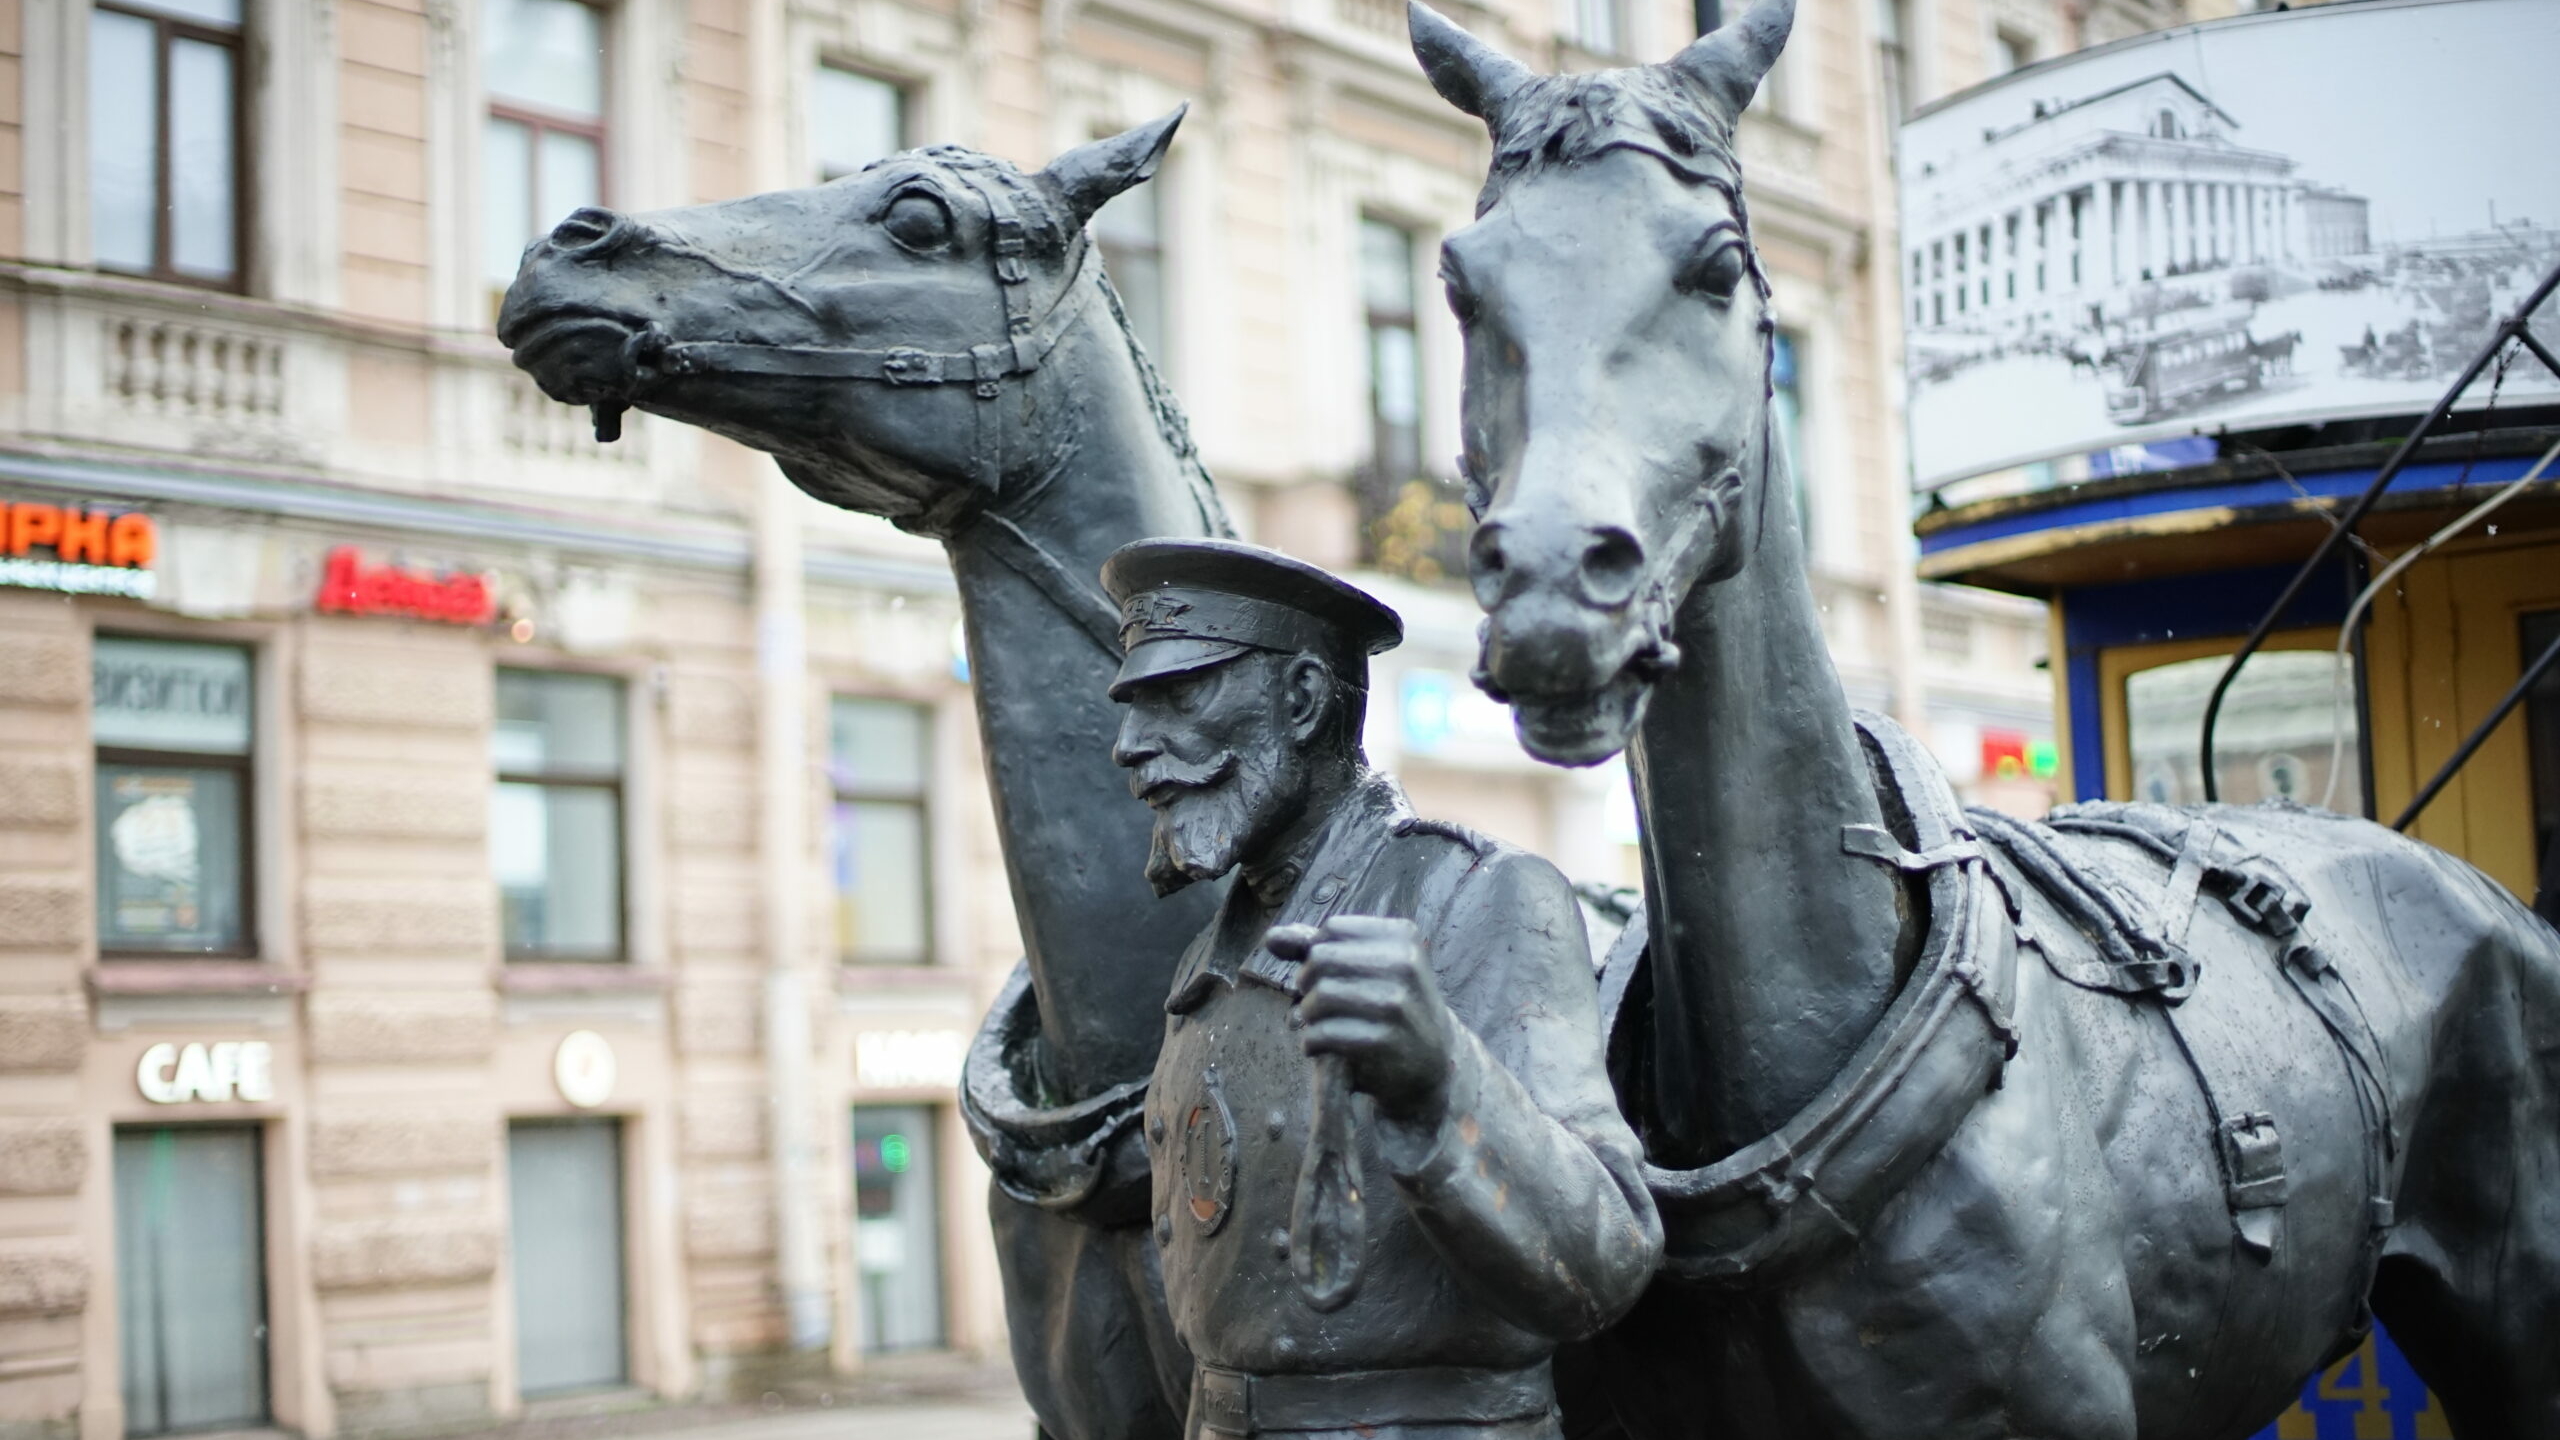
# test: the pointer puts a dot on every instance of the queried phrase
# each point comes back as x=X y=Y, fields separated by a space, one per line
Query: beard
x=1205 y=815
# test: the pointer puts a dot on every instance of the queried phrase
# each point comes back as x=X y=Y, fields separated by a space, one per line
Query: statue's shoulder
x=1475 y=844
x=1453 y=856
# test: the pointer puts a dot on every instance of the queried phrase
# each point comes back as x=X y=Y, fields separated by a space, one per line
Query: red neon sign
x=348 y=586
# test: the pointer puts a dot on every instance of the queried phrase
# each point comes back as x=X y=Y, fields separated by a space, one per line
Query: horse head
x=1617 y=382
x=939 y=281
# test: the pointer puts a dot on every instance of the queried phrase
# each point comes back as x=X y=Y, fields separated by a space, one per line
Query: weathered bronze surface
x=1390 y=1176
x=932 y=340
x=2098 y=1128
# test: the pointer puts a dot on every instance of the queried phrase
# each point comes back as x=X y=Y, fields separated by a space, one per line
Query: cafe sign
x=214 y=1074
x=77 y=551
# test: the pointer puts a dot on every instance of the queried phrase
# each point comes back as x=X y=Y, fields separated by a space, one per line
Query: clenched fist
x=1366 y=993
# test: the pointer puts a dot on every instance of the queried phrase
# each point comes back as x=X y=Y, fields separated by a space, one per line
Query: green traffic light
x=895 y=1156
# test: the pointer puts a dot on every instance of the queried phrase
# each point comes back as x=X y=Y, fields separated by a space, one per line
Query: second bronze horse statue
x=2097 y=1129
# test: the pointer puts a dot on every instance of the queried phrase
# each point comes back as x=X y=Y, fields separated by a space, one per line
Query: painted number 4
x=2370 y=1395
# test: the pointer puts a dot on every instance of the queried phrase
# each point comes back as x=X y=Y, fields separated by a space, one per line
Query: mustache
x=1164 y=772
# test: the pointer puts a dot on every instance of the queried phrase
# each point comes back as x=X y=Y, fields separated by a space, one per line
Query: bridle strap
x=985 y=365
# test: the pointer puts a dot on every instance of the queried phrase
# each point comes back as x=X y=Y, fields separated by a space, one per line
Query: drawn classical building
x=2051 y=221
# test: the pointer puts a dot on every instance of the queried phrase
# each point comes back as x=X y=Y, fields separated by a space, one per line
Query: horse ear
x=1089 y=175
x=1467 y=72
x=1728 y=63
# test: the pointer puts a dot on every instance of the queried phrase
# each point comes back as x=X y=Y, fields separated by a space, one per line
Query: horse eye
x=1718 y=270
x=918 y=221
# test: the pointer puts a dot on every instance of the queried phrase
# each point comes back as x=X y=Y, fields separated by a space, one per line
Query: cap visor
x=1173 y=655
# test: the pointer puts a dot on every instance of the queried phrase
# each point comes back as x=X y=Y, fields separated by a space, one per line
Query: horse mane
x=1049 y=227
x=1557 y=120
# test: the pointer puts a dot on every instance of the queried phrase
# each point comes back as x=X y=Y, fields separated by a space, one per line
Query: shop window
x=555 y=817
x=542 y=145
x=2273 y=740
x=853 y=120
x=879 y=756
x=165 y=130
x=172 y=722
x=191 y=1304
x=1130 y=230
x=897 y=1238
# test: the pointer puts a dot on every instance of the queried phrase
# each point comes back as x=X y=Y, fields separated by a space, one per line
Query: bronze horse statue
x=933 y=340
x=2099 y=1128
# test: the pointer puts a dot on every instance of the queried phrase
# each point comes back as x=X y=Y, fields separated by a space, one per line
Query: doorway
x=191 y=1294
x=564 y=1183
x=896 y=1227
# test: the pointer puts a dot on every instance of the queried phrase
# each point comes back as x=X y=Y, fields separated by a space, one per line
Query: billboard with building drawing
x=2271 y=219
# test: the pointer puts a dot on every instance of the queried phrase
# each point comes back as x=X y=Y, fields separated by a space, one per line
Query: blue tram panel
x=2370 y=1395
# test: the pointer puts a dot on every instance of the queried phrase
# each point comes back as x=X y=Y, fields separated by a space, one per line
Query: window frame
x=905 y=88
x=598 y=131
x=921 y=799
x=168 y=29
x=245 y=770
x=618 y=786
x=1373 y=319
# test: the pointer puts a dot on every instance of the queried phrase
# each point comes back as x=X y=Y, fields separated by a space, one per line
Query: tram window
x=2542 y=742
x=2273 y=741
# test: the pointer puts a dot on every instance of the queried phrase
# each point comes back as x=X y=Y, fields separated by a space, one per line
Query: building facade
x=487 y=914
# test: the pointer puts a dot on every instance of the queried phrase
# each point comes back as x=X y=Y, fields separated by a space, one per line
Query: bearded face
x=1211 y=756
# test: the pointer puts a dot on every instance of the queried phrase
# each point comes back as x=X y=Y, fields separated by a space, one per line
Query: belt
x=1235 y=1403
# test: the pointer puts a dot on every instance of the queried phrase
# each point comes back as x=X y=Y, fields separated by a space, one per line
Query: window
x=1598 y=26
x=542 y=148
x=854 y=119
x=172 y=724
x=1893 y=59
x=165 y=139
x=2274 y=739
x=880 y=758
x=1394 y=351
x=2010 y=51
x=1786 y=412
x=555 y=818
x=1130 y=229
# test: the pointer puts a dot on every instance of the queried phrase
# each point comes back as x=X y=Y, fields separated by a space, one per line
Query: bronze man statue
x=1390 y=1176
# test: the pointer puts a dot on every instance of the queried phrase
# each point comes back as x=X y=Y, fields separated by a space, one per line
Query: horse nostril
x=1486 y=564
x=1612 y=567
x=588 y=228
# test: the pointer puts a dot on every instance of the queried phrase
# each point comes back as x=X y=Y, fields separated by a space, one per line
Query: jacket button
x=1279 y=1244
x=1326 y=891
x=1164 y=1230
x=1155 y=1129
x=1277 y=1124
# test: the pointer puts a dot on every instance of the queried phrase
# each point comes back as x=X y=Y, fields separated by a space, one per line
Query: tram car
x=2160 y=375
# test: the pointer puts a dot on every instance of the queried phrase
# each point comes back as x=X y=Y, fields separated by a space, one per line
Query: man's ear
x=1307 y=693
x=1089 y=175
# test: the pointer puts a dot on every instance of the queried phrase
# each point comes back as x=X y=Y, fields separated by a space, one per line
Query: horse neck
x=1774 y=951
x=1101 y=947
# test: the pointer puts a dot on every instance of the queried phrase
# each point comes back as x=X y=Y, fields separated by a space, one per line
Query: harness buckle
x=1009 y=247
x=989 y=360
x=907 y=365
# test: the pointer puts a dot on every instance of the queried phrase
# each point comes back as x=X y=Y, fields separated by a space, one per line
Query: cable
x=2391 y=572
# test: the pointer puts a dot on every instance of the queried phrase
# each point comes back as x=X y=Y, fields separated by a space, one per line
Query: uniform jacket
x=1520 y=1222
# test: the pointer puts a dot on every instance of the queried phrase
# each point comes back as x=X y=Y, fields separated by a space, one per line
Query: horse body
x=2171 y=1203
x=932 y=340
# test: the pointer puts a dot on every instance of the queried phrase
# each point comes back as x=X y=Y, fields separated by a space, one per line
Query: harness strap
x=1078 y=601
